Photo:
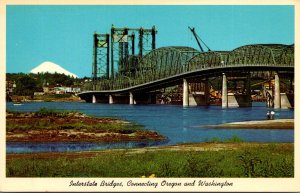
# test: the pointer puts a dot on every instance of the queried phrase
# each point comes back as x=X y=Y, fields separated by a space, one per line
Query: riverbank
x=187 y=160
x=46 y=98
x=66 y=126
x=262 y=124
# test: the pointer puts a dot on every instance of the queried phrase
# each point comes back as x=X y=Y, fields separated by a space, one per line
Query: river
x=178 y=124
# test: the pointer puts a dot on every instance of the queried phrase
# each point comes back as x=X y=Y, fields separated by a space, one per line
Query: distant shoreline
x=260 y=124
x=46 y=98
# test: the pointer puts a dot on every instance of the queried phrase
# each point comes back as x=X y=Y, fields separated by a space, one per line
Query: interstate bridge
x=128 y=68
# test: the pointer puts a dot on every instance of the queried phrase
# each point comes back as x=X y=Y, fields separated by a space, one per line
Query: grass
x=43 y=112
x=56 y=125
x=233 y=139
x=107 y=127
x=273 y=160
x=113 y=126
x=53 y=112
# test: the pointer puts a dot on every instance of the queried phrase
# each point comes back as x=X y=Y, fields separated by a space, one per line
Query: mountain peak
x=51 y=67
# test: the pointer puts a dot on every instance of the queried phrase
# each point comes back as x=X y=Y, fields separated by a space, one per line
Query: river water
x=178 y=124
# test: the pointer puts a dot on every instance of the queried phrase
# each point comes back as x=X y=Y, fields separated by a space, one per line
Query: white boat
x=18 y=104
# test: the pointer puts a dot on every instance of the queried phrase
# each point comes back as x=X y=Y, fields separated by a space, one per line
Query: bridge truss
x=115 y=54
x=166 y=62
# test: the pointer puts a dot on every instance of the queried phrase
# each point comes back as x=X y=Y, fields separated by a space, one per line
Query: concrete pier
x=238 y=100
x=224 y=92
x=94 y=100
x=277 y=97
x=110 y=99
x=185 y=95
x=287 y=100
x=131 y=99
x=200 y=97
x=197 y=99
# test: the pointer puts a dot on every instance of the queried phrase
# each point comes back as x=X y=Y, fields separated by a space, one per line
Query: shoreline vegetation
x=48 y=125
x=46 y=98
x=220 y=159
x=214 y=158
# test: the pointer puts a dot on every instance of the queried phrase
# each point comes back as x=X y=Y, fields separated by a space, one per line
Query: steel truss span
x=167 y=63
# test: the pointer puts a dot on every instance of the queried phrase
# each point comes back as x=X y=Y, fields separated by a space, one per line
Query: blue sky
x=63 y=34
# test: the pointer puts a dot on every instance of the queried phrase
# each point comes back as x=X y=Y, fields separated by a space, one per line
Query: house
x=49 y=89
x=65 y=90
x=10 y=85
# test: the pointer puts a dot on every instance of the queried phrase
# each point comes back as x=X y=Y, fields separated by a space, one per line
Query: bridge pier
x=110 y=99
x=224 y=92
x=200 y=97
x=277 y=96
x=185 y=95
x=236 y=98
x=131 y=99
x=277 y=100
x=94 y=100
x=287 y=100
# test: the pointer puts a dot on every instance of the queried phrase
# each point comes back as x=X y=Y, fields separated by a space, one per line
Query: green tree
x=26 y=86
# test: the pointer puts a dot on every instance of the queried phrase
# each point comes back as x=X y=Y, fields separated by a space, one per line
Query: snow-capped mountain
x=51 y=67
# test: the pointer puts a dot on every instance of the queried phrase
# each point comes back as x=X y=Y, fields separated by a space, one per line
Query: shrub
x=52 y=112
